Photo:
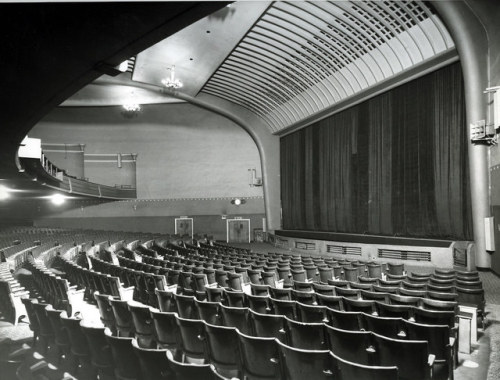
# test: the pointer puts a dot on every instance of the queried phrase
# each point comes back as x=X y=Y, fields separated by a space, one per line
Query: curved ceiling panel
x=300 y=58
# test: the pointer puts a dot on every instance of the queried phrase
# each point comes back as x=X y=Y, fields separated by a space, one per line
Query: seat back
x=328 y=290
x=389 y=327
x=165 y=329
x=350 y=345
x=347 y=370
x=281 y=294
x=268 y=325
x=365 y=306
x=143 y=324
x=434 y=317
x=394 y=311
x=410 y=356
x=221 y=342
x=311 y=313
x=438 y=337
x=153 y=363
x=190 y=371
x=333 y=302
x=304 y=297
x=185 y=306
x=395 y=269
x=236 y=317
x=285 y=308
x=344 y=320
x=190 y=331
x=255 y=354
x=125 y=361
x=374 y=270
x=235 y=298
x=100 y=352
x=123 y=317
x=298 y=364
x=209 y=311
x=260 y=304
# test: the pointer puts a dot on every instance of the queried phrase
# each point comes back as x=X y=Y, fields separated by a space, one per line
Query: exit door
x=238 y=230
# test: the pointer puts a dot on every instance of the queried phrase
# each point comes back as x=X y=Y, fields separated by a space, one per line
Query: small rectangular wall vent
x=404 y=255
x=343 y=250
x=460 y=257
x=305 y=245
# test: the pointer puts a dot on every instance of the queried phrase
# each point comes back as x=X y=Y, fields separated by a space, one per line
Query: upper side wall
x=183 y=150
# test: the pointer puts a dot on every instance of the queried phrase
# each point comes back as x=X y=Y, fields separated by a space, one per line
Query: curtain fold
x=393 y=165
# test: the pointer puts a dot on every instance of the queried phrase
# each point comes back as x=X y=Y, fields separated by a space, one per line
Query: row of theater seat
x=163 y=328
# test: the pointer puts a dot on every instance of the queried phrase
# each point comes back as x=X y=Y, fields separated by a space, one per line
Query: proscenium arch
x=471 y=42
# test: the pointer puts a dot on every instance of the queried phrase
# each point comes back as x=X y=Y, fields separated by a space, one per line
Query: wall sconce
x=253 y=179
x=238 y=201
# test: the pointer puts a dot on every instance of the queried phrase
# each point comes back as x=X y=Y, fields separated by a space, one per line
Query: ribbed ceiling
x=303 y=57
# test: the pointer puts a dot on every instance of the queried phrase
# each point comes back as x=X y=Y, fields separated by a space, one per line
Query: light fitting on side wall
x=4 y=192
x=171 y=82
x=238 y=201
x=58 y=199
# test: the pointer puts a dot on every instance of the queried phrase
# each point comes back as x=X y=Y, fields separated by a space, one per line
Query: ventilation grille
x=404 y=255
x=305 y=245
x=280 y=243
x=131 y=64
x=460 y=257
x=343 y=250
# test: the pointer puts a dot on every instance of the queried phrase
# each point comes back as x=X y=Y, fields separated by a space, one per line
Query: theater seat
x=347 y=370
x=254 y=357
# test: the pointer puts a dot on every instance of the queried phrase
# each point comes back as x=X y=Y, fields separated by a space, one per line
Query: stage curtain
x=393 y=165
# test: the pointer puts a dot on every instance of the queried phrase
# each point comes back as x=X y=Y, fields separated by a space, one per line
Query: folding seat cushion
x=442 y=296
x=303 y=286
x=431 y=304
x=299 y=364
x=255 y=354
x=354 y=346
x=412 y=292
x=404 y=300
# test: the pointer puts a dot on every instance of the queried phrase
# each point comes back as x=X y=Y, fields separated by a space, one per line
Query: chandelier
x=131 y=108
x=171 y=83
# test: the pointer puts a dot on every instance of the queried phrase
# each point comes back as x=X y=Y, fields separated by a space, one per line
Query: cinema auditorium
x=253 y=190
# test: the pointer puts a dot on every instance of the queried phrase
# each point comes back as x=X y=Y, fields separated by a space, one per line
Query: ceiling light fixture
x=171 y=83
x=131 y=108
x=238 y=201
